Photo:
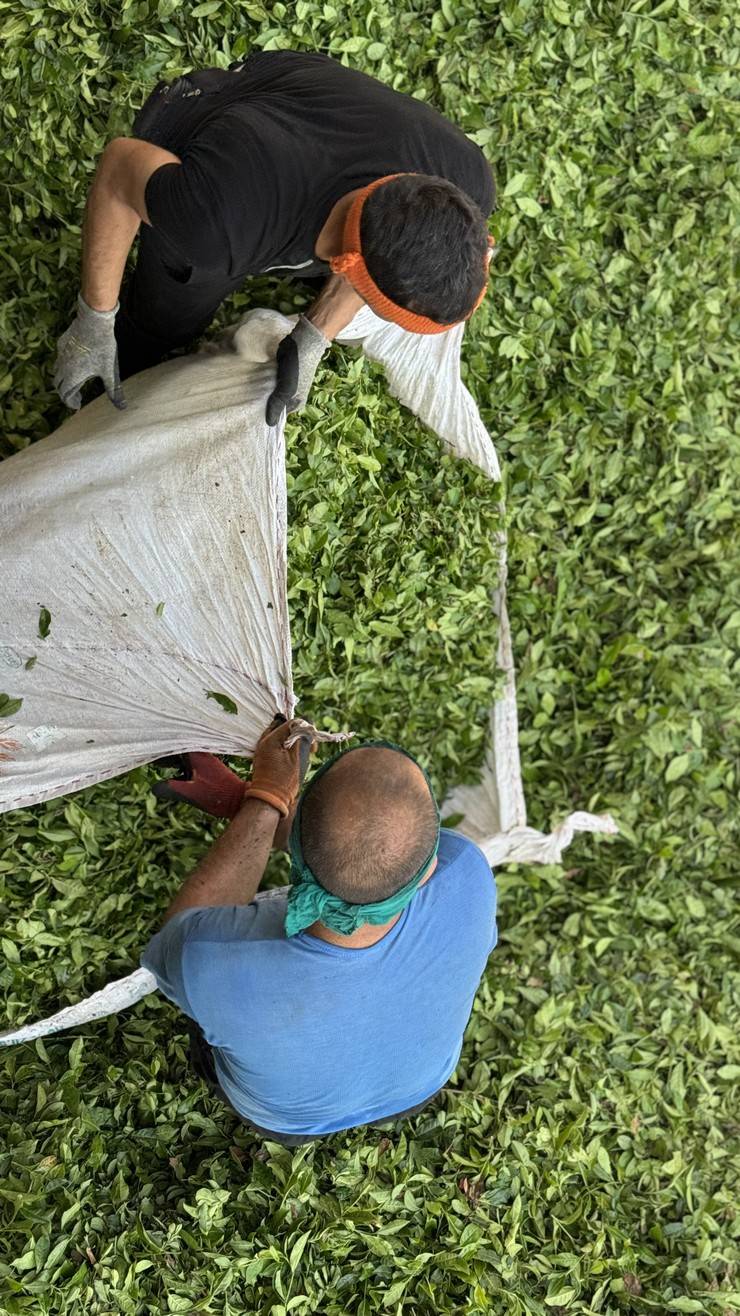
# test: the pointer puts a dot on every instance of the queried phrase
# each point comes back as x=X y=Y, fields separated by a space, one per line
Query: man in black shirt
x=290 y=163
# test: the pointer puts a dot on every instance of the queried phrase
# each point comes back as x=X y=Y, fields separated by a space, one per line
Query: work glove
x=297 y=359
x=88 y=351
x=277 y=770
x=205 y=782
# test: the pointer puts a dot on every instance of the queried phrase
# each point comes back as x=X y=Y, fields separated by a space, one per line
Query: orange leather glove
x=277 y=772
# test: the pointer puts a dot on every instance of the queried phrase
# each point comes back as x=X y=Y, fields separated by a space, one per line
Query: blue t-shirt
x=308 y=1037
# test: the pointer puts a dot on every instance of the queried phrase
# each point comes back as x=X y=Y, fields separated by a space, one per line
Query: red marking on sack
x=8 y=749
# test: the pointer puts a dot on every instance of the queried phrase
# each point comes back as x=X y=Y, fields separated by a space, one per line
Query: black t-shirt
x=268 y=150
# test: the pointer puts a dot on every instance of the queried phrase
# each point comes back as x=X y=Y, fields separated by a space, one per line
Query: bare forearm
x=336 y=305
x=109 y=229
x=116 y=205
x=232 y=870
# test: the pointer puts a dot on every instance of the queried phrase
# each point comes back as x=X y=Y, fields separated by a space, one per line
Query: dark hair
x=424 y=242
x=369 y=855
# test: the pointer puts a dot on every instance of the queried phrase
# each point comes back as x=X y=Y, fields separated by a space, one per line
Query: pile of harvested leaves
x=391 y=564
x=585 y=1158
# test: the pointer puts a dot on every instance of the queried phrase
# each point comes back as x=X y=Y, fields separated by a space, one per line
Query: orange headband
x=351 y=265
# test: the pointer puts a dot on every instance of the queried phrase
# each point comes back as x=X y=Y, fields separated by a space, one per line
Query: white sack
x=181 y=500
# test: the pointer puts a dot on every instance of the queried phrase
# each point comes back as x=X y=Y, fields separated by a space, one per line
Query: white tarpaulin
x=155 y=538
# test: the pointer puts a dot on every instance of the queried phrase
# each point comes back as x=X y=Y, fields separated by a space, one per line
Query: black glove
x=297 y=359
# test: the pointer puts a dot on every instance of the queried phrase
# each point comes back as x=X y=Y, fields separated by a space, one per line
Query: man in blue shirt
x=343 y=999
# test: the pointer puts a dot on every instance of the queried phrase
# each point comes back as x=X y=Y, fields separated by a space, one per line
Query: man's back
x=266 y=156
x=310 y=1037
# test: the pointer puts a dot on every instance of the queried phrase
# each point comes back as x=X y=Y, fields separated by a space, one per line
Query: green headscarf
x=309 y=902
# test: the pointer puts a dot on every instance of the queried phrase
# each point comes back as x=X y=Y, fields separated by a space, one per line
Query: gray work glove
x=87 y=351
x=297 y=358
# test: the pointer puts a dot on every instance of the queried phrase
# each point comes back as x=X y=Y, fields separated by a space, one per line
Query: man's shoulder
x=263 y=920
x=458 y=905
x=458 y=851
x=463 y=871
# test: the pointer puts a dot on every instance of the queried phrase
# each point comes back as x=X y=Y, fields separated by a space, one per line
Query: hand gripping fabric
x=121 y=680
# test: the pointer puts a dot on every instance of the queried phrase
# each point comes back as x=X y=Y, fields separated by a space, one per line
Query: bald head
x=368 y=824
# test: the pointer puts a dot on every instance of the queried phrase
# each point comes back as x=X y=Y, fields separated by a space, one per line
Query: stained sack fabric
x=155 y=538
x=180 y=501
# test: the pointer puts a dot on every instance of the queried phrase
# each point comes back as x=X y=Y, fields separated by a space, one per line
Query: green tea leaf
x=9 y=706
x=529 y=206
x=515 y=184
x=225 y=702
x=677 y=767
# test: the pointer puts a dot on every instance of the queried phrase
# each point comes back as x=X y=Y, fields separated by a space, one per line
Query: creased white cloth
x=180 y=501
x=111 y=999
x=156 y=539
